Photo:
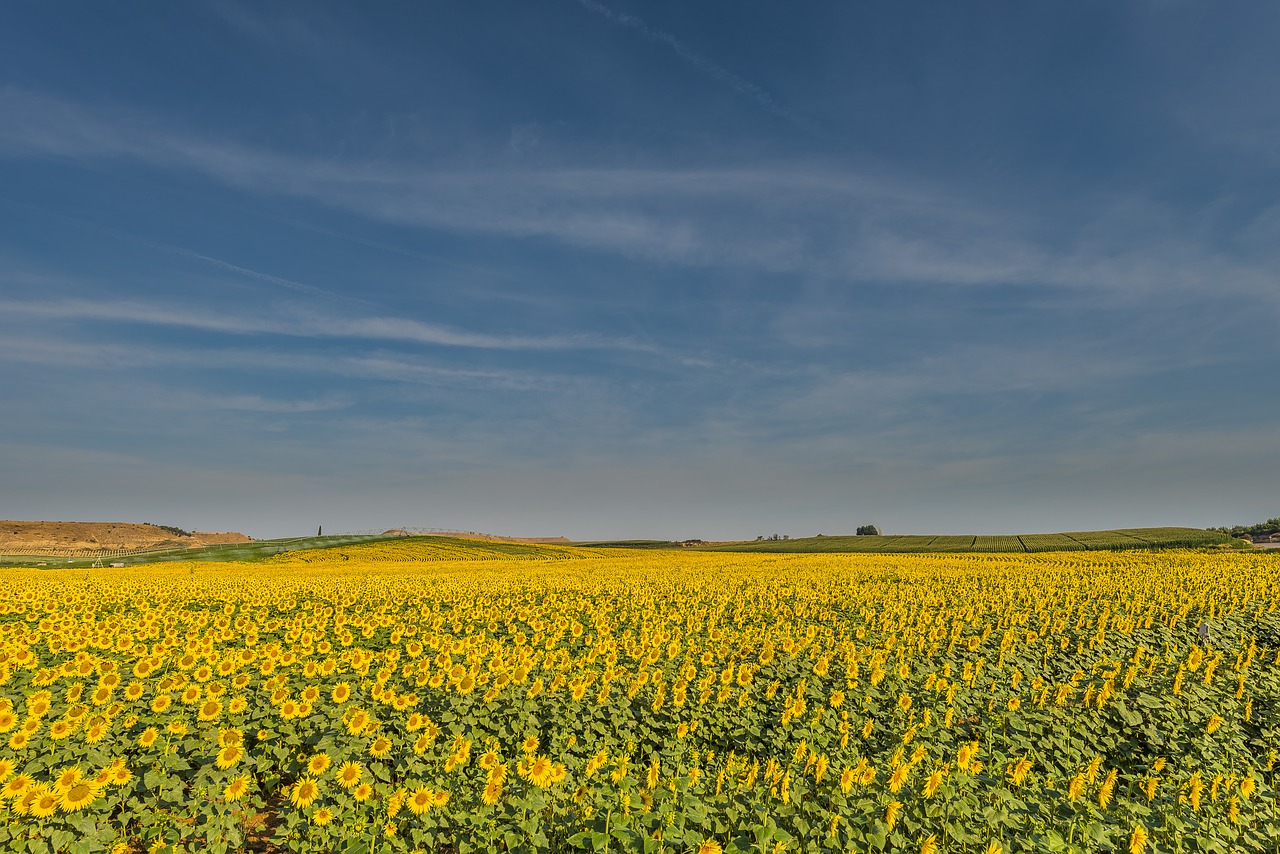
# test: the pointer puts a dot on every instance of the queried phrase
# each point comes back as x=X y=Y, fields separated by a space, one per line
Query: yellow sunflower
x=318 y=764
x=80 y=795
x=304 y=793
x=421 y=800
x=236 y=789
x=17 y=787
x=229 y=755
x=43 y=804
x=349 y=774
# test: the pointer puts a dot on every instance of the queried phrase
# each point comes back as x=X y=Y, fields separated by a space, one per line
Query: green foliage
x=1130 y=538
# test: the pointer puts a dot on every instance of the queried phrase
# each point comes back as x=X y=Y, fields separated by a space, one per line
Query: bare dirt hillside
x=215 y=538
x=45 y=537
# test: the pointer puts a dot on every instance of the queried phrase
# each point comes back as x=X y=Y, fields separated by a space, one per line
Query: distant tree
x=867 y=531
x=1271 y=526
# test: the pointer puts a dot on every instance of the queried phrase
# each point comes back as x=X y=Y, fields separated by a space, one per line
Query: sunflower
x=22 y=804
x=539 y=772
x=891 y=813
x=80 y=795
x=17 y=787
x=230 y=736
x=304 y=793
x=1018 y=773
x=318 y=764
x=362 y=792
x=395 y=802
x=357 y=722
x=322 y=816
x=160 y=703
x=148 y=736
x=209 y=710
x=1107 y=788
x=43 y=804
x=421 y=800
x=380 y=748
x=67 y=778
x=236 y=789
x=349 y=774
x=229 y=755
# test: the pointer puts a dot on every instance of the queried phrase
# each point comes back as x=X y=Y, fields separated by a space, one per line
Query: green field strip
x=431 y=548
x=1107 y=540
x=997 y=543
x=949 y=543
x=1050 y=543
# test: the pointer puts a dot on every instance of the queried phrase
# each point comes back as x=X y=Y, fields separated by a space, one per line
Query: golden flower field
x=404 y=696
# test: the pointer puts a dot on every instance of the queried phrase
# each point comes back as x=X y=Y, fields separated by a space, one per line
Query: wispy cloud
x=190 y=400
x=820 y=220
x=379 y=365
x=301 y=326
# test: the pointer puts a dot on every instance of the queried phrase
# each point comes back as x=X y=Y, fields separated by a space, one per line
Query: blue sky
x=615 y=269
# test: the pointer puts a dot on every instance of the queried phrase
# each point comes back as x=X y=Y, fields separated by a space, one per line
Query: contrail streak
x=743 y=87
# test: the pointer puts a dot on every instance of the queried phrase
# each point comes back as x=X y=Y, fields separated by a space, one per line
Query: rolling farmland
x=1133 y=538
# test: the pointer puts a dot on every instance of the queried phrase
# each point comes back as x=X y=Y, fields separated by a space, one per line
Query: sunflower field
x=415 y=696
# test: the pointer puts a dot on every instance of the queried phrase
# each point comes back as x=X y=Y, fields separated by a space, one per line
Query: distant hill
x=82 y=538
